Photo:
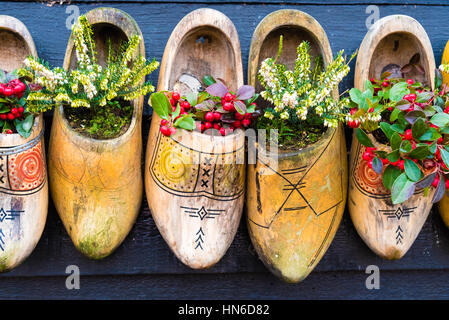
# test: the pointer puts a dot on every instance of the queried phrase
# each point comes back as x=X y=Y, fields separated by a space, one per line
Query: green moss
x=92 y=248
x=106 y=122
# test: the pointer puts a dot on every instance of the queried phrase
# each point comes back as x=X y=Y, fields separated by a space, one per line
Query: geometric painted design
x=199 y=240
x=398 y=213
x=183 y=171
x=202 y=212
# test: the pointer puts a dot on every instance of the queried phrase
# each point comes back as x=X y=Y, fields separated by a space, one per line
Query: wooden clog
x=195 y=182
x=23 y=172
x=96 y=185
x=389 y=230
x=295 y=201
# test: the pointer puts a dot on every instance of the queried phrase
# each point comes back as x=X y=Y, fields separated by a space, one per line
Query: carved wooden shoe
x=195 y=182
x=23 y=172
x=389 y=230
x=295 y=206
x=96 y=185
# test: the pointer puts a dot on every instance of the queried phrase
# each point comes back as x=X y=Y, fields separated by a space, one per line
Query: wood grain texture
x=295 y=200
x=388 y=229
x=195 y=183
x=144 y=252
x=96 y=185
x=23 y=169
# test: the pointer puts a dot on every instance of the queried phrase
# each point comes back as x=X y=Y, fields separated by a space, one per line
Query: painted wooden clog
x=23 y=172
x=389 y=230
x=443 y=205
x=96 y=185
x=195 y=182
x=295 y=201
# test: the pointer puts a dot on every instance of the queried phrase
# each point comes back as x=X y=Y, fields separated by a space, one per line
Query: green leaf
x=363 y=138
x=440 y=119
x=406 y=146
x=161 y=105
x=430 y=135
x=424 y=97
x=402 y=189
x=28 y=122
x=356 y=95
x=393 y=156
x=419 y=128
x=445 y=156
x=192 y=98
x=394 y=114
x=185 y=122
x=412 y=170
x=395 y=141
x=398 y=128
x=208 y=80
x=386 y=128
x=176 y=112
x=377 y=165
x=390 y=174
x=398 y=91
x=419 y=153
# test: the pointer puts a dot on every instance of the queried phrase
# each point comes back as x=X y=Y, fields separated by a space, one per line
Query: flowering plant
x=302 y=105
x=209 y=111
x=411 y=124
x=14 y=114
x=95 y=88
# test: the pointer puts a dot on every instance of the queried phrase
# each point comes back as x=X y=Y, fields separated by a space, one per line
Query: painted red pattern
x=27 y=169
x=367 y=178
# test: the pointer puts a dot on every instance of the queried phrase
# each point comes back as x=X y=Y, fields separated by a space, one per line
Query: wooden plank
x=297 y=2
x=332 y=285
x=144 y=251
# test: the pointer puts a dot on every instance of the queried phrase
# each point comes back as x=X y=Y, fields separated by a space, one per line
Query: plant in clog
x=402 y=152
x=213 y=111
x=23 y=172
x=95 y=145
x=296 y=194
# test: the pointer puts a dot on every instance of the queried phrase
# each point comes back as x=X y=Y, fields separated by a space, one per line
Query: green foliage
x=91 y=85
x=301 y=99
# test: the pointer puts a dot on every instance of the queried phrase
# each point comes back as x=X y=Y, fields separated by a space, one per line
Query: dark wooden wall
x=144 y=267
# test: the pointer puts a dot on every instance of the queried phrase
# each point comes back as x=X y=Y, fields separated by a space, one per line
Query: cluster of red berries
x=14 y=87
x=167 y=128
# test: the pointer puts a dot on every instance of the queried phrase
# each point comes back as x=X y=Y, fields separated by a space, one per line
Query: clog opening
x=395 y=53
x=12 y=51
x=203 y=51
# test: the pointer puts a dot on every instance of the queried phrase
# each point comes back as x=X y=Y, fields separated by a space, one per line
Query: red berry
x=373 y=81
x=446 y=110
x=176 y=96
x=172 y=130
x=22 y=86
x=3 y=116
x=371 y=110
x=248 y=116
x=17 y=90
x=408 y=134
x=396 y=163
x=172 y=102
x=237 y=124
x=246 y=122
x=185 y=105
x=11 y=116
x=440 y=140
x=411 y=97
x=21 y=109
x=217 y=116
x=216 y=126
x=164 y=122
x=385 y=84
x=401 y=165
x=2 y=89
x=209 y=116
x=228 y=97
x=239 y=116
x=385 y=161
x=14 y=111
x=353 y=110
x=370 y=164
x=165 y=131
x=447 y=184
x=9 y=131
x=390 y=108
x=367 y=156
x=8 y=92
x=222 y=131
x=200 y=126
x=410 y=82
x=436 y=181
x=207 y=125
x=228 y=106
x=370 y=149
